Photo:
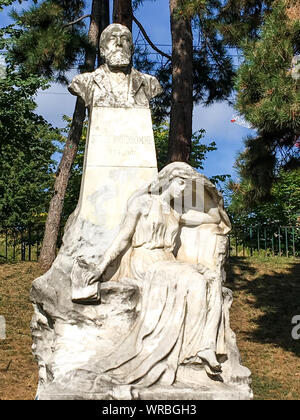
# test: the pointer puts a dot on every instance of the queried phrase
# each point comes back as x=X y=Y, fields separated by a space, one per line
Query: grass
x=18 y=370
x=266 y=297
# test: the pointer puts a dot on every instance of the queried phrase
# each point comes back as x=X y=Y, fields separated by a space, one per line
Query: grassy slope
x=266 y=297
x=18 y=371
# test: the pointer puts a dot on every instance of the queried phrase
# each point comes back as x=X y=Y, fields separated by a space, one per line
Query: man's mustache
x=119 y=51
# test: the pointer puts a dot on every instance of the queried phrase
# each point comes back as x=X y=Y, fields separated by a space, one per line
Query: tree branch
x=207 y=43
x=154 y=47
x=77 y=20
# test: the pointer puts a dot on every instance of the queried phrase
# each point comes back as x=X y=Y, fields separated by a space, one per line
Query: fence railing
x=25 y=244
x=282 y=241
x=20 y=244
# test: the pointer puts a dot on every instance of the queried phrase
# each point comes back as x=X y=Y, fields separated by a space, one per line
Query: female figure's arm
x=197 y=218
x=122 y=240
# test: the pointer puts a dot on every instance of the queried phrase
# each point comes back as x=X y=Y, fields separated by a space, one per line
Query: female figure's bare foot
x=209 y=357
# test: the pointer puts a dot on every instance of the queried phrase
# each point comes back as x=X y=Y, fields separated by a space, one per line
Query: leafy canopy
x=282 y=208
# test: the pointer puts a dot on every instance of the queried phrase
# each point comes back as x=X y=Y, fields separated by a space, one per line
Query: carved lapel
x=102 y=81
x=135 y=82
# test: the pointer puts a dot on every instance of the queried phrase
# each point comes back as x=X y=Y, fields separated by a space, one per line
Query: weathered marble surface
x=120 y=153
x=120 y=157
x=134 y=306
x=72 y=340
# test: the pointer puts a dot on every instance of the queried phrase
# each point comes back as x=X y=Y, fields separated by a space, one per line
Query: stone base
x=217 y=391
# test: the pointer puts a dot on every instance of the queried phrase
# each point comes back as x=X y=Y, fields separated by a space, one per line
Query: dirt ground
x=266 y=297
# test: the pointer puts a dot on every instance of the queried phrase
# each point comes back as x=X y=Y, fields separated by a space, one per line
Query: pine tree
x=122 y=13
x=218 y=26
x=269 y=97
x=281 y=208
x=181 y=112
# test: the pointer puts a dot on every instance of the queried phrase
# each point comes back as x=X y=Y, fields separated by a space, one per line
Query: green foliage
x=235 y=20
x=4 y=3
x=255 y=165
x=268 y=95
x=46 y=44
x=198 y=153
x=18 y=122
x=282 y=208
x=26 y=177
x=26 y=148
x=218 y=26
x=242 y=19
x=212 y=65
x=188 y=8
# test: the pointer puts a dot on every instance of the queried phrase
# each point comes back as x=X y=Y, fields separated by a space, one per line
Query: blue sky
x=215 y=119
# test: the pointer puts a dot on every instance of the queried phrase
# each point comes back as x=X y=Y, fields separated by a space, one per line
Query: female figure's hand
x=91 y=273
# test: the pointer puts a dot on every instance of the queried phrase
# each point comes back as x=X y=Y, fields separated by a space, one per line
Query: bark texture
x=182 y=86
x=122 y=13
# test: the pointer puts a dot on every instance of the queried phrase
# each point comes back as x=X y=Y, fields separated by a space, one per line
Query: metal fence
x=24 y=244
x=18 y=244
x=268 y=240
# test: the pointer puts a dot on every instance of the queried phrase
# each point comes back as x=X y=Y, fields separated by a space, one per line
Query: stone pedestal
x=120 y=158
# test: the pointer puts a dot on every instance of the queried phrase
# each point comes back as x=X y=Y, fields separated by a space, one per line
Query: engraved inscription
x=123 y=153
x=123 y=140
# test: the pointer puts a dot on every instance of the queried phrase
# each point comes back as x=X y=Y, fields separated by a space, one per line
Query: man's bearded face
x=118 y=48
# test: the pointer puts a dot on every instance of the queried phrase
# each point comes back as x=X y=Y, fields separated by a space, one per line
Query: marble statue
x=134 y=306
x=116 y=83
x=173 y=293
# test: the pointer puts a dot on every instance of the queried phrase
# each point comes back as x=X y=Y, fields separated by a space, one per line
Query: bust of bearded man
x=116 y=83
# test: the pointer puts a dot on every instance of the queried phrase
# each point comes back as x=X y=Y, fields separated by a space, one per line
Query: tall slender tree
x=122 y=13
x=48 y=251
x=182 y=85
x=205 y=73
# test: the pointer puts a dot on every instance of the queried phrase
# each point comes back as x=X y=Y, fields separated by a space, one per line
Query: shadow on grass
x=275 y=288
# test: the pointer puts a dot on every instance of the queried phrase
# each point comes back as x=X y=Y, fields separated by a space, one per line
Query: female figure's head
x=173 y=179
x=170 y=183
x=179 y=178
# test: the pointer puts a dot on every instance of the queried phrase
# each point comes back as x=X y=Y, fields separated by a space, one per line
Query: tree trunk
x=123 y=13
x=99 y=20
x=182 y=86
